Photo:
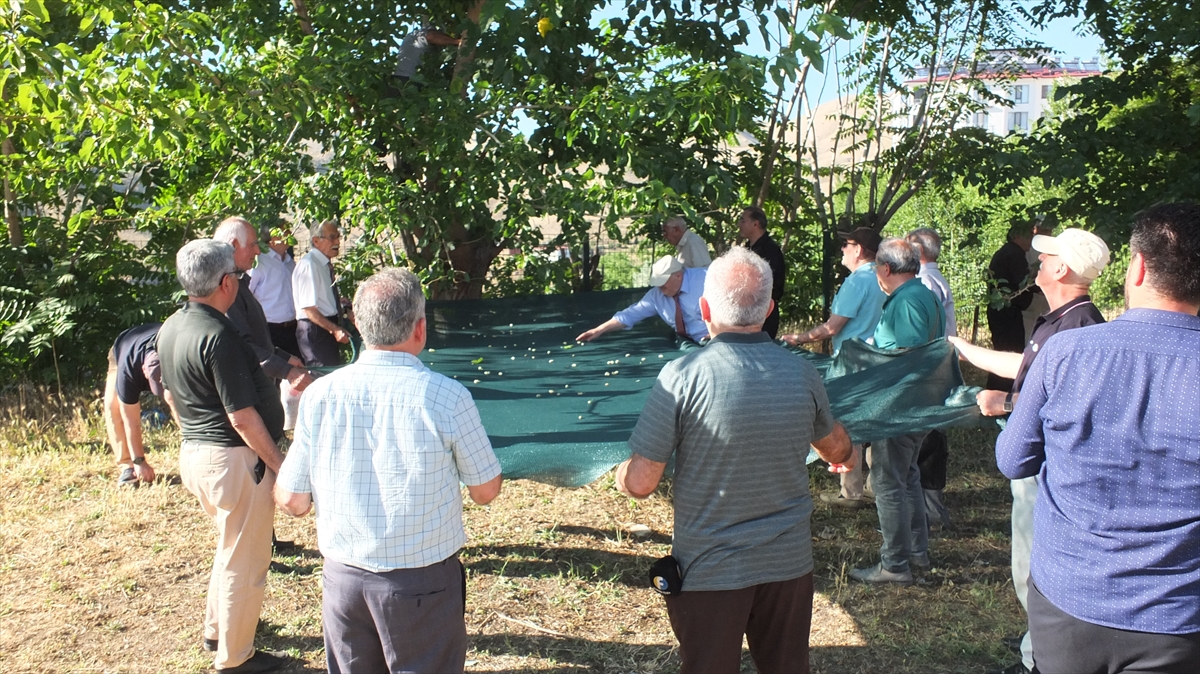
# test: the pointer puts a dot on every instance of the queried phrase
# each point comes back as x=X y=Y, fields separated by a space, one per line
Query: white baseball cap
x=1085 y=253
x=661 y=272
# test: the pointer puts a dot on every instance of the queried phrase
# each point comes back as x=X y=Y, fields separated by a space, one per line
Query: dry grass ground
x=96 y=579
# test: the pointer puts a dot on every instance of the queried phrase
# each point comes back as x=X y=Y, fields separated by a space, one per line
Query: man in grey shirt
x=739 y=415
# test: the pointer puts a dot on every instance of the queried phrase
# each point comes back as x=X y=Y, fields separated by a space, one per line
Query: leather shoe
x=261 y=661
x=920 y=561
x=210 y=645
x=1018 y=668
x=877 y=575
x=841 y=501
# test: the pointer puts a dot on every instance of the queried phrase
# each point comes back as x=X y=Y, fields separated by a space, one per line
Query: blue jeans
x=900 y=500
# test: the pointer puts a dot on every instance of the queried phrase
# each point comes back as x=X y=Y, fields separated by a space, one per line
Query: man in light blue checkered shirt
x=381 y=447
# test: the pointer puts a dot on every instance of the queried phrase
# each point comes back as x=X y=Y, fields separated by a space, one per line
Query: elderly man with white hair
x=318 y=306
x=739 y=417
x=691 y=249
x=674 y=297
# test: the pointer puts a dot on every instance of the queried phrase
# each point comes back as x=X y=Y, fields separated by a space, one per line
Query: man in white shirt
x=674 y=297
x=930 y=245
x=318 y=309
x=692 y=251
x=271 y=283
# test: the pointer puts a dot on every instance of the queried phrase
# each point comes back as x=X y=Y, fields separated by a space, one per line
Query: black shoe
x=1018 y=668
x=280 y=568
x=128 y=478
x=1013 y=643
x=261 y=661
x=283 y=546
x=210 y=645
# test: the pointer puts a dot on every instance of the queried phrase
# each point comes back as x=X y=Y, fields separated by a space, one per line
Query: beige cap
x=663 y=268
x=1085 y=253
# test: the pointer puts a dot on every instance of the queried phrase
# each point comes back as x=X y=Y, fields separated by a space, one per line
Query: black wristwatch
x=137 y=461
x=1008 y=403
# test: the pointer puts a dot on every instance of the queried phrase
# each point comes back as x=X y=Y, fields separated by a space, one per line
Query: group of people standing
x=1102 y=448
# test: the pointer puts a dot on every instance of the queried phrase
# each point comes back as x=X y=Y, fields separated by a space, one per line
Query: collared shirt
x=211 y=372
x=312 y=285
x=1108 y=420
x=271 y=283
x=911 y=316
x=932 y=277
x=655 y=303
x=693 y=252
x=1078 y=313
x=248 y=318
x=382 y=445
x=738 y=415
x=130 y=350
x=860 y=299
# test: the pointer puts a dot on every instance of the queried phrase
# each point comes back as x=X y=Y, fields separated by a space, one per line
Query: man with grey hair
x=691 y=249
x=912 y=316
x=318 y=306
x=229 y=415
x=929 y=244
x=381 y=446
x=739 y=416
x=246 y=312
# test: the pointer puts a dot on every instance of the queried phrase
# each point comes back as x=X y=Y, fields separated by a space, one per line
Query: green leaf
x=36 y=8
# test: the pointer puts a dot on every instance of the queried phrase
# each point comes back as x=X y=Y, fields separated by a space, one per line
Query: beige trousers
x=853 y=481
x=244 y=514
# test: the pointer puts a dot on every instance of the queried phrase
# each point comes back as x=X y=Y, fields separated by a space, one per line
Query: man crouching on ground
x=381 y=446
x=739 y=415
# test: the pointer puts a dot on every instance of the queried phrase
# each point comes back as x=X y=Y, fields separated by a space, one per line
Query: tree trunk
x=16 y=237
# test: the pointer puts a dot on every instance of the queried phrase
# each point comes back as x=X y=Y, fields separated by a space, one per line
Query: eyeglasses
x=849 y=243
x=236 y=273
x=331 y=237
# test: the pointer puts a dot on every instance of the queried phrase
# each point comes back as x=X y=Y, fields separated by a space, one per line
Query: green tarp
x=559 y=412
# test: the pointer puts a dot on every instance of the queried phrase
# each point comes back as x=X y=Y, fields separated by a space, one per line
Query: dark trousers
x=771 y=325
x=899 y=500
x=1008 y=334
x=775 y=617
x=1064 y=644
x=318 y=348
x=406 y=620
x=283 y=336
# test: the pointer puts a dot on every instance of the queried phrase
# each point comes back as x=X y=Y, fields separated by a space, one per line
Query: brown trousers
x=775 y=617
x=244 y=513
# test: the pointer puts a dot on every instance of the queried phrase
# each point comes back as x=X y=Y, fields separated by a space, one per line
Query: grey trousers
x=899 y=499
x=401 y=621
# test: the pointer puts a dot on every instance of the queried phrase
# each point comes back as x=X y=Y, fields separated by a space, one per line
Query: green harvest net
x=560 y=412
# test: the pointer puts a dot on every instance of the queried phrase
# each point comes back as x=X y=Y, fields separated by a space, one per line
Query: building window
x=1020 y=93
x=981 y=120
x=1018 y=121
x=1045 y=91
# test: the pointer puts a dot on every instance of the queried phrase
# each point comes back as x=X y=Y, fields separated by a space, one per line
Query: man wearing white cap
x=674 y=297
x=1069 y=264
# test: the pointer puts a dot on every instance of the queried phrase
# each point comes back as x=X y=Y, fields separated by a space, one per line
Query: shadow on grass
x=533 y=561
x=573 y=654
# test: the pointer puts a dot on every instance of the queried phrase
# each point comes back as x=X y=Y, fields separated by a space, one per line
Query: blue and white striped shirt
x=382 y=445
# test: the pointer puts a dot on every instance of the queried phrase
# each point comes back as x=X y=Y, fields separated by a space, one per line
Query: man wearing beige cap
x=1069 y=264
x=674 y=297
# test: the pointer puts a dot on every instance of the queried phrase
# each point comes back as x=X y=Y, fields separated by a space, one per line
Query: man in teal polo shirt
x=912 y=316
x=854 y=314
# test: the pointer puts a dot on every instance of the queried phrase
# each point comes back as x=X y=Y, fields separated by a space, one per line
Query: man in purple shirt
x=1108 y=420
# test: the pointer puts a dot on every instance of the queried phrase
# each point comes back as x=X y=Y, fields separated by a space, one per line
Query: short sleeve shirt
x=911 y=316
x=211 y=372
x=382 y=445
x=130 y=351
x=860 y=299
x=738 y=416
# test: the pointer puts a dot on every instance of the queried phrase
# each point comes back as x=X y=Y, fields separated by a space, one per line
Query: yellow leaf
x=544 y=26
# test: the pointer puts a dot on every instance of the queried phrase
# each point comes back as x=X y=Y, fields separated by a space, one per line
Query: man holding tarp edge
x=1069 y=264
x=674 y=297
x=742 y=540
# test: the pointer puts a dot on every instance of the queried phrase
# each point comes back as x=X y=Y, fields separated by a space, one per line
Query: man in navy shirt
x=133 y=367
x=1108 y=420
x=1069 y=264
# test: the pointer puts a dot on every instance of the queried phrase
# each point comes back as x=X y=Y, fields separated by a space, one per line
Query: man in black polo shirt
x=1069 y=264
x=231 y=418
x=752 y=225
